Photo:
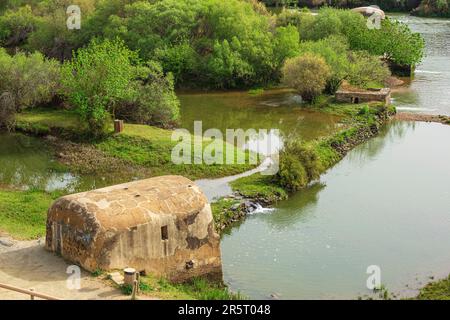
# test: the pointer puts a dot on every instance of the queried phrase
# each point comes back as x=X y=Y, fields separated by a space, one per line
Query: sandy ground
x=405 y=116
x=26 y=264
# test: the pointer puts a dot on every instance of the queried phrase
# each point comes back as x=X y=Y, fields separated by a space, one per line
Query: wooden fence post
x=118 y=126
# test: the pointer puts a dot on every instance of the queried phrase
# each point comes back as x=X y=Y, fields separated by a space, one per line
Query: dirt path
x=26 y=264
x=405 y=116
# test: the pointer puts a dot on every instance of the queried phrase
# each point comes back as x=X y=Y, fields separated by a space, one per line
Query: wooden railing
x=29 y=292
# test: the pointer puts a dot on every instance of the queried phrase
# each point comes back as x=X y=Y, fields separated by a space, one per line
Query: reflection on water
x=27 y=163
x=275 y=109
x=429 y=92
x=385 y=204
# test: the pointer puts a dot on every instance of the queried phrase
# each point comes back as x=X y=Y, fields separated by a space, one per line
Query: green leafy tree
x=31 y=79
x=299 y=165
x=97 y=78
x=212 y=43
x=155 y=102
x=394 y=39
x=16 y=25
x=366 y=70
x=334 y=50
x=307 y=74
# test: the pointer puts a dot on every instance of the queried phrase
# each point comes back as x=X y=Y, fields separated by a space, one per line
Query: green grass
x=142 y=145
x=23 y=214
x=197 y=289
x=259 y=187
x=439 y=290
x=256 y=92
x=50 y=118
x=152 y=148
x=221 y=211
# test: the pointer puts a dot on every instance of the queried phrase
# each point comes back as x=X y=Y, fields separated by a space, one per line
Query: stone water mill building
x=161 y=225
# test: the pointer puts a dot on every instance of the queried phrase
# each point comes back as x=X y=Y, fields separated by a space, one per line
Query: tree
x=308 y=74
x=299 y=165
x=30 y=79
x=334 y=50
x=366 y=70
x=97 y=78
x=155 y=102
x=16 y=25
x=207 y=43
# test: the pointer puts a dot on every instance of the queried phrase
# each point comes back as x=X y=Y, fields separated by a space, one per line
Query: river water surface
x=386 y=204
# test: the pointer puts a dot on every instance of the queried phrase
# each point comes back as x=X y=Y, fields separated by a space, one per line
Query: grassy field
x=142 y=145
x=23 y=213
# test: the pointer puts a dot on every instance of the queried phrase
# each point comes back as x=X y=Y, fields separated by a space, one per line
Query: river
x=386 y=204
x=429 y=92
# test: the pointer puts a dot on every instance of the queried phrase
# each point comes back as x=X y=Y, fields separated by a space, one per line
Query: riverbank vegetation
x=433 y=8
x=303 y=162
x=121 y=64
x=128 y=59
x=437 y=290
x=196 y=289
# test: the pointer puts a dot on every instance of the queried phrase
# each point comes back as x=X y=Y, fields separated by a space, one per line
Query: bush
x=299 y=165
x=155 y=102
x=334 y=50
x=212 y=43
x=394 y=39
x=308 y=74
x=366 y=70
x=289 y=18
x=7 y=110
x=97 y=79
x=327 y=23
x=16 y=25
x=32 y=80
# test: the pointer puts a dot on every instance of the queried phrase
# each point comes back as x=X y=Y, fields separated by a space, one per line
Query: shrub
x=334 y=50
x=155 y=102
x=213 y=43
x=299 y=165
x=16 y=25
x=394 y=39
x=30 y=79
x=307 y=22
x=366 y=70
x=289 y=18
x=97 y=79
x=7 y=110
x=327 y=23
x=308 y=74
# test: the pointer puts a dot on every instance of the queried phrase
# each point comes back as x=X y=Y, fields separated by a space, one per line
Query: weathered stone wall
x=161 y=225
x=383 y=95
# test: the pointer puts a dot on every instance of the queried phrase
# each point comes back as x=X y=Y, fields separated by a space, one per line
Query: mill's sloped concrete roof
x=130 y=204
